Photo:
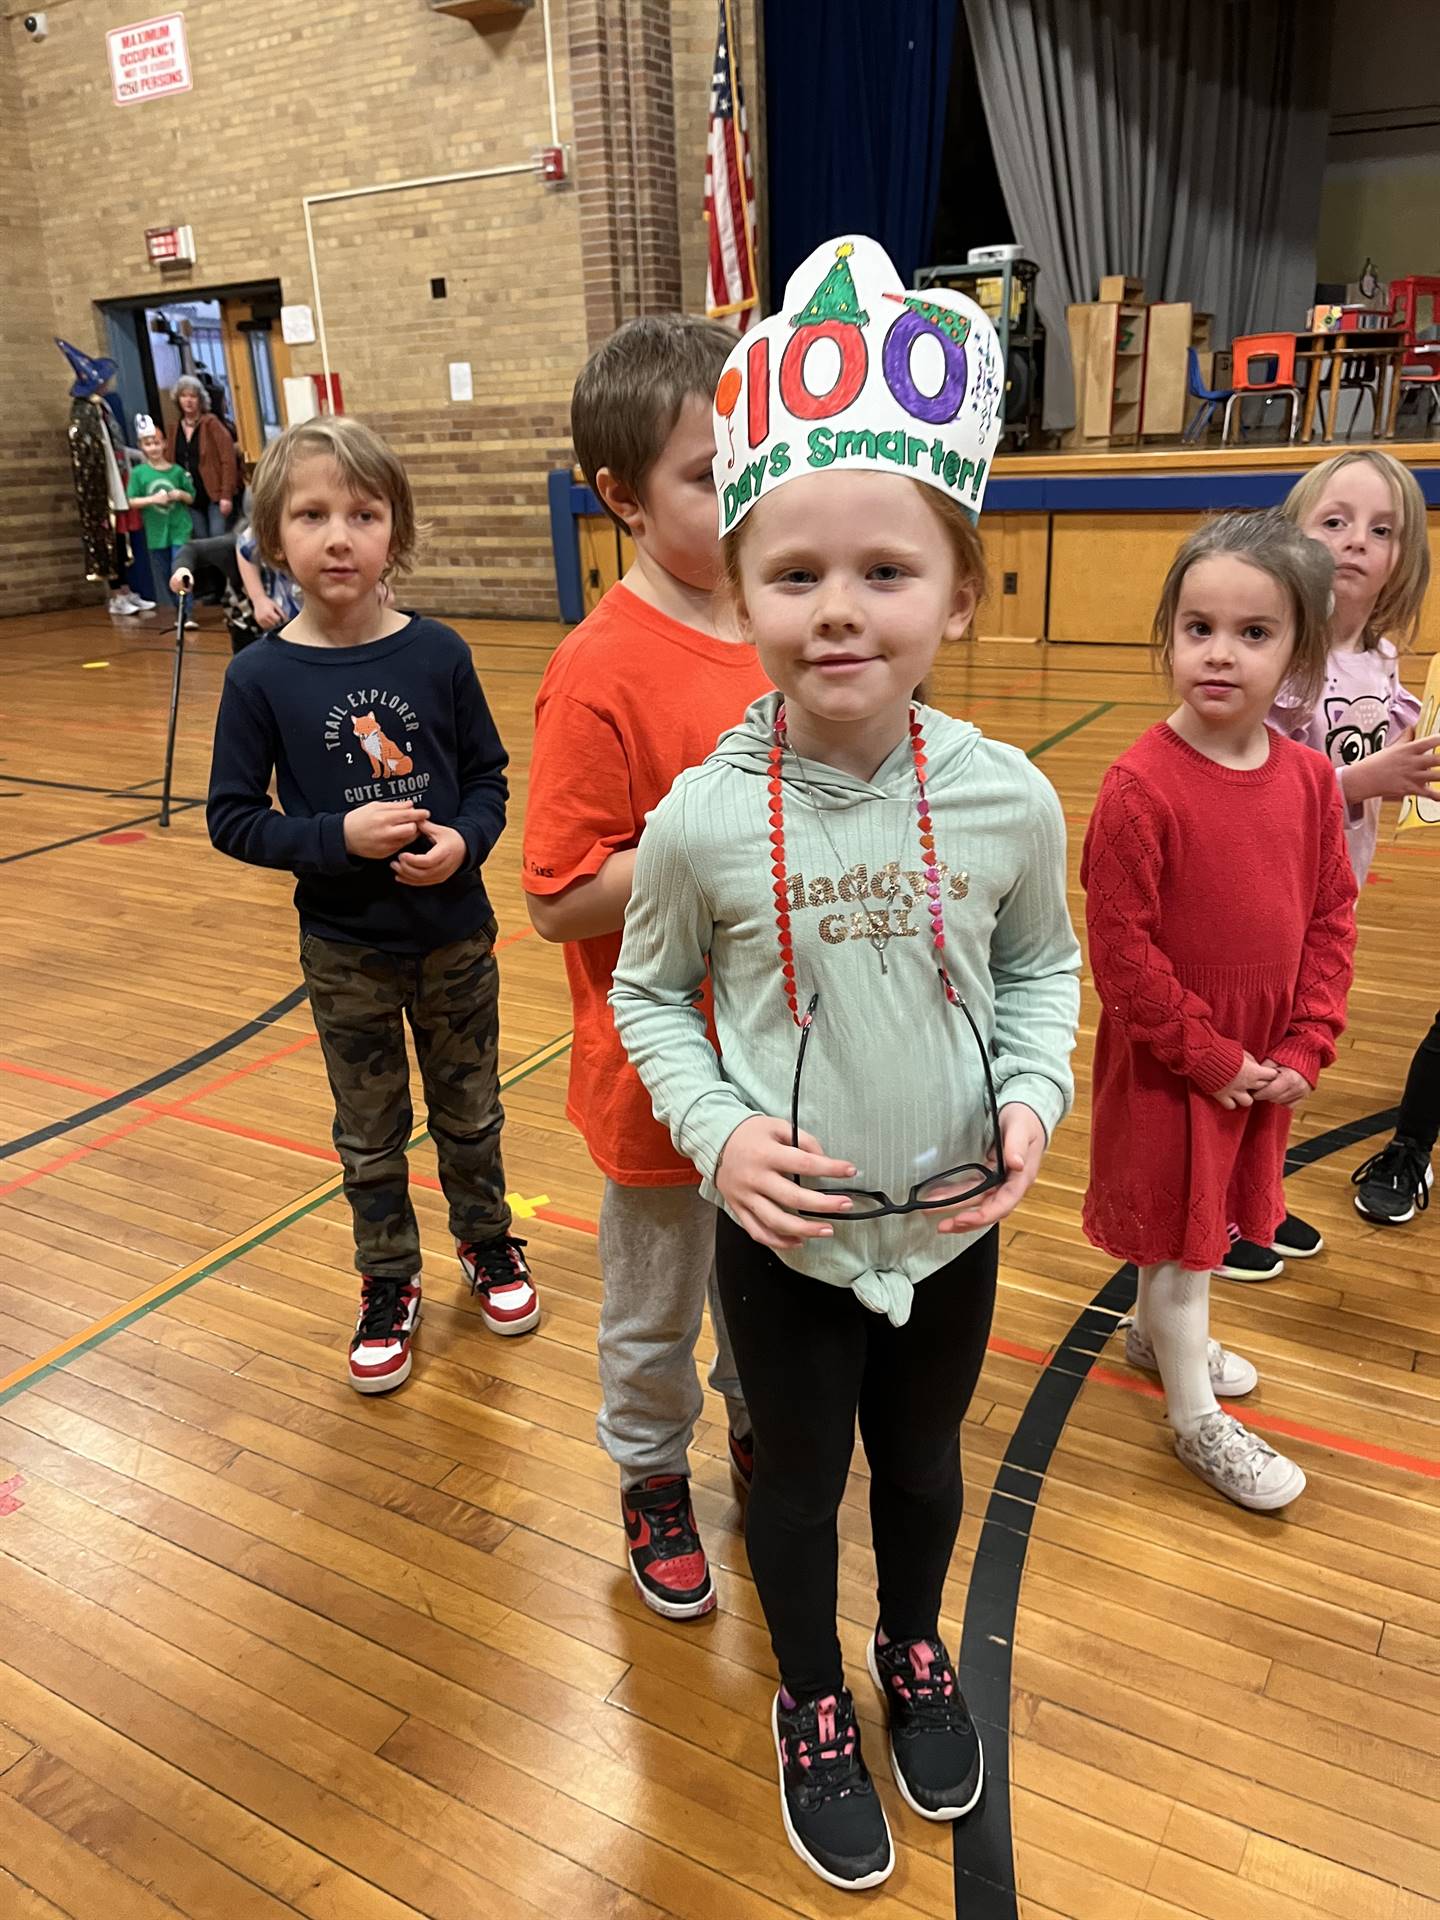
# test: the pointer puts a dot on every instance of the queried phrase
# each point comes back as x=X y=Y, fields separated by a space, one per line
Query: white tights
x=1172 y=1312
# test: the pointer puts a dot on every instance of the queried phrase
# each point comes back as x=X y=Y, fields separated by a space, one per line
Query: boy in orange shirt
x=640 y=690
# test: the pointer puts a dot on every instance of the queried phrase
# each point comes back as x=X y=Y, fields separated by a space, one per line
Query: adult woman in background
x=200 y=444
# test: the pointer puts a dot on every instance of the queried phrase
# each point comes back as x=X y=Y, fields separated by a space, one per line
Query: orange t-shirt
x=629 y=700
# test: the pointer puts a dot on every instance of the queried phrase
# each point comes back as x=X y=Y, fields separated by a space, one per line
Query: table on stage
x=1386 y=345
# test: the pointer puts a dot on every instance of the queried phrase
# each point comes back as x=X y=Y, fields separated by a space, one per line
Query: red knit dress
x=1220 y=909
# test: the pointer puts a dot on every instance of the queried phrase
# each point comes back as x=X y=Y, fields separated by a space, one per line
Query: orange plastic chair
x=1262 y=364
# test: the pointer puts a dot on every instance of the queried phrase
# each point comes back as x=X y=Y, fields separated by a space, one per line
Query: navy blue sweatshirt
x=398 y=719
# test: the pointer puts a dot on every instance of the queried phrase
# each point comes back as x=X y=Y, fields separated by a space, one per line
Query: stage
x=1078 y=542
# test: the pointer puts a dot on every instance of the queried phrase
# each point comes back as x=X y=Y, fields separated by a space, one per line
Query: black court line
x=97 y=833
x=166 y=1077
x=104 y=793
x=983 y=1846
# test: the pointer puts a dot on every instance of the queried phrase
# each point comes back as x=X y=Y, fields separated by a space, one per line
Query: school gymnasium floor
x=268 y=1648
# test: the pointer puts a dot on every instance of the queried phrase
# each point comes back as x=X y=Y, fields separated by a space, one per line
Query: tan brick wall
x=294 y=98
x=41 y=565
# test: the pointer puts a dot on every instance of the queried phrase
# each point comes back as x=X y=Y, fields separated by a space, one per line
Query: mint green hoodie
x=892 y=1079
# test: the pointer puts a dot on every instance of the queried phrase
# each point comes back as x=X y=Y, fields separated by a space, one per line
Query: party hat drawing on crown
x=854 y=371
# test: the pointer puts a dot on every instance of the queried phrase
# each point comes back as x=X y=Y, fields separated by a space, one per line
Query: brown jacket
x=219 y=462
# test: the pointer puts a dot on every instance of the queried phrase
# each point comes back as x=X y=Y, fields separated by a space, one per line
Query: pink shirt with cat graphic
x=1364 y=708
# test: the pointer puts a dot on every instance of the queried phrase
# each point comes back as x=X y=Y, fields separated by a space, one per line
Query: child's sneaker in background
x=1394 y=1184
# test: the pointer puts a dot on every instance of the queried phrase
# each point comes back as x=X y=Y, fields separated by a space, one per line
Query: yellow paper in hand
x=1418 y=810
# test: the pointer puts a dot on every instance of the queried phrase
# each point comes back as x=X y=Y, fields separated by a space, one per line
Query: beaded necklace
x=928 y=862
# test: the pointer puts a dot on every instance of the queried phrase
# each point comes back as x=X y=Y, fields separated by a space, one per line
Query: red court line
x=152 y=1111
x=56 y=1079
x=1125 y=1382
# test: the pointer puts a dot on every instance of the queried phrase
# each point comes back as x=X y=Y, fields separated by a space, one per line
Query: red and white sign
x=149 y=59
x=170 y=243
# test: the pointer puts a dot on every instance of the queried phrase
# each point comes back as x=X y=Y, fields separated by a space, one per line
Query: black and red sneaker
x=667 y=1561
x=499 y=1277
x=380 y=1350
x=742 y=1461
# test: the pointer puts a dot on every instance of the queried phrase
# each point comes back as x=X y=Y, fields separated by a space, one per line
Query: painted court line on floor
x=232 y=1249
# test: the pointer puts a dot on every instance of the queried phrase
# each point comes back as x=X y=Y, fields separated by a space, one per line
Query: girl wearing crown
x=878 y=893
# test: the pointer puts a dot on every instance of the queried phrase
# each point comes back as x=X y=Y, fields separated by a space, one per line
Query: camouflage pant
x=452 y=1000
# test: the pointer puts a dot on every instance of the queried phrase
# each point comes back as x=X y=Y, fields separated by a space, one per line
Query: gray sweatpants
x=657 y=1264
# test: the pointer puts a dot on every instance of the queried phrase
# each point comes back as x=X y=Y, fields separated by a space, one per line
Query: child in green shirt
x=163 y=493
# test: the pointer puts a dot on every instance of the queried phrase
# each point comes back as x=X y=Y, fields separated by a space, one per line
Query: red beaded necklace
x=777 y=863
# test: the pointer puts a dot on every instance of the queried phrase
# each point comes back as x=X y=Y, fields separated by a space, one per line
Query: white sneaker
x=141 y=605
x=1231 y=1375
x=123 y=603
x=1238 y=1464
x=192 y=626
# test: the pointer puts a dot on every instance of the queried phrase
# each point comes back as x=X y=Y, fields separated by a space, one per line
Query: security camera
x=37 y=25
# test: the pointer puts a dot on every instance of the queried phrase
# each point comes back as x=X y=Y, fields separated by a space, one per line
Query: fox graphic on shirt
x=385 y=757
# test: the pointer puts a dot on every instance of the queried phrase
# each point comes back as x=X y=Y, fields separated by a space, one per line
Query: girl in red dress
x=1220 y=907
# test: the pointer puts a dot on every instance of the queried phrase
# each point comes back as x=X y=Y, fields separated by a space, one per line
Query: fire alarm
x=549 y=165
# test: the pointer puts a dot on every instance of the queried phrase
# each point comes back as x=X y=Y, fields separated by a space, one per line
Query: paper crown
x=90 y=375
x=856 y=372
x=144 y=426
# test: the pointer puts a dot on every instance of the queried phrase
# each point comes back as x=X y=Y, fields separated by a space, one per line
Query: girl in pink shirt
x=1369 y=512
x=1367 y=509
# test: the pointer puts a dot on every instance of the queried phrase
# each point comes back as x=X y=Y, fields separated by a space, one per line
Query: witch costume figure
x=100 y=463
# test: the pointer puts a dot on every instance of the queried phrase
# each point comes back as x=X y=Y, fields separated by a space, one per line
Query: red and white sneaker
x=380 y=1350
x=499 y=1277
x=667 y=1561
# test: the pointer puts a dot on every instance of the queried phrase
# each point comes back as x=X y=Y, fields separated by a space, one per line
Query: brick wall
x=41 y=565
x=292 y=99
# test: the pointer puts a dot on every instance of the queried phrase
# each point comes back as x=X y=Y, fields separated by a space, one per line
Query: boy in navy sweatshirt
x=391 y=777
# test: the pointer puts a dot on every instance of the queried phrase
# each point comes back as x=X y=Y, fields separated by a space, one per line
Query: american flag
x=731 y=284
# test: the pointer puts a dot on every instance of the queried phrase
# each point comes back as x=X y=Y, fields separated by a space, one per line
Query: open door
x=257 y=361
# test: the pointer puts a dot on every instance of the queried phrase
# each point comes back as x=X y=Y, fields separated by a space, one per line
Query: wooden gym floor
x=267 y=1648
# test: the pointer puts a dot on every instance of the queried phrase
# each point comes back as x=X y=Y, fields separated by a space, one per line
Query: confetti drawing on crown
x=854 y=370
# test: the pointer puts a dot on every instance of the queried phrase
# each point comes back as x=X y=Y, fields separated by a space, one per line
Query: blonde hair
x=956 y=523
x=1396 y=614
x=369 y=466
x=1275 y=546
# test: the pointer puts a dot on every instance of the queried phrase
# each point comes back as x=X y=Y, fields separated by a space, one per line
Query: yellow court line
x=221 y=1256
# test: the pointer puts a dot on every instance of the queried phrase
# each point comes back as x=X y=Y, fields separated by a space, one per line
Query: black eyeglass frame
x=990 y=1177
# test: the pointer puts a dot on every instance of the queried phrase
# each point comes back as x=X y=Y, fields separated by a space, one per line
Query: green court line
x=545 y=1056
x=1054 y=740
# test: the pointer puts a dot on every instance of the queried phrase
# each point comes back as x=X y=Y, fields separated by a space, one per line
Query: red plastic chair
x=1420 y=368
x=1262 y=364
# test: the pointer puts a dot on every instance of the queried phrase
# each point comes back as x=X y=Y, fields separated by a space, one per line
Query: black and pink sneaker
x=499 y=1277
x=934 y=1747
x=832 y=1813
x=667 y=1561
x=380 y=1350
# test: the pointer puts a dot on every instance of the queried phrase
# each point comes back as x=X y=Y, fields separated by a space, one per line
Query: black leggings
x=809 y=1357
x=1420 y=1109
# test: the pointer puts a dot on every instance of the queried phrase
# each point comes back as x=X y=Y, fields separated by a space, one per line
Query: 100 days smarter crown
x=856 y=372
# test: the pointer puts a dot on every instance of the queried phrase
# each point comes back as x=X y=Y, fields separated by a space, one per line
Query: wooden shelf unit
x=1108 y=345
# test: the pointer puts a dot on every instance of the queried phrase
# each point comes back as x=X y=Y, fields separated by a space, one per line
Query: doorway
x=228 y=338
